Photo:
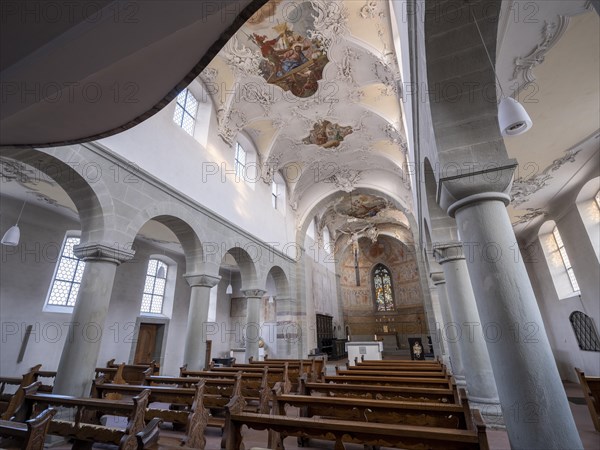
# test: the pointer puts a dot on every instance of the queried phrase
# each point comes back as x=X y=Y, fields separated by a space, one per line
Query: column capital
x=102 y=252
x=437 y=278
x=201 y=279
x=254 y=293
x=448 y=251
x=463 y=185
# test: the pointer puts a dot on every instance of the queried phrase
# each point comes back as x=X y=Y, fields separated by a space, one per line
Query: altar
x=369 y=349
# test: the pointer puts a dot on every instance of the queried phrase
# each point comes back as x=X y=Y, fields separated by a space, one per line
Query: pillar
x=194 y=353
x=251 y=330
x=287 y=328
x=449 y=330
x=79 y=357
x=479 y=376
x=534 y=404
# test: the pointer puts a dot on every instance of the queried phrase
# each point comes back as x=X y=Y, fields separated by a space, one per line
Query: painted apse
x=361 y=314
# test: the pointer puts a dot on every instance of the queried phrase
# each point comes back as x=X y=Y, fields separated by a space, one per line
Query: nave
x=229 y=407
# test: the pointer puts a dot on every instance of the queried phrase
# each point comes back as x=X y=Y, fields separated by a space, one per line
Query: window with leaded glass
x=154 y=287
x=67 y=277
x=185 y=111
x=382 y=289
x=239 y=160
x=565 y=259
x=274 y=194
x=585 y=332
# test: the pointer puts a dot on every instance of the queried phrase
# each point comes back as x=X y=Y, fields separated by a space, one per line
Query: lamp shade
x=229 y=289
x=11 y=237
x=161 y=272
x=513 y=118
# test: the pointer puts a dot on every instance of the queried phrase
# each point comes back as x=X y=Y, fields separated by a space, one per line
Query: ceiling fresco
x=315 y=85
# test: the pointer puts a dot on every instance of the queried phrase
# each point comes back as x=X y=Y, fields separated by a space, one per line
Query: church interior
x=327 y=224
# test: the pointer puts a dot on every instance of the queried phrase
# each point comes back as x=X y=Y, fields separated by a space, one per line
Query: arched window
x=154 y=287
x=585 y=332
x=382 y=289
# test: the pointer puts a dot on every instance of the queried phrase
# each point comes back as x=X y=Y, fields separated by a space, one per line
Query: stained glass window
x=154 y=287
x=382 y=286
x=67 y=278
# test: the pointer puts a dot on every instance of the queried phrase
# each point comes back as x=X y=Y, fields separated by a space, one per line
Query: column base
x=490 y=411
x=461 y=381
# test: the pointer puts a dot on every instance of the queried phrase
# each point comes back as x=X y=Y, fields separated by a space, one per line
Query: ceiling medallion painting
x=327 y=134
x=293 y=56
x=361 y=206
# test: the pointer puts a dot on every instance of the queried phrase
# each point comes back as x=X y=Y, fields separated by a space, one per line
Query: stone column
x=194 y=353
x=449 y=329
x=80 y=354
x=479 y=376
x=251 y=330
x=287 y=329
x=534 y=404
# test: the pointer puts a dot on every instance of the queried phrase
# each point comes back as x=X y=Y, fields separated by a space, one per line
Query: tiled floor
x=498 y=439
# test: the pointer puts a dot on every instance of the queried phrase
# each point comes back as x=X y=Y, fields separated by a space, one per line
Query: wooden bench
x=254 y=386
x=404 y=365
x=591 y=393
x=366 y=433
x=442 y=383
x=389 y=372
x=135 y=373
x=274 y=375
x=85 y=427
x=296 y=368
x=9 y=401
x=294 y=371
x=454 y=416
x=197 y=421
x=319 y=364
x=378 y=392
x=30 y=435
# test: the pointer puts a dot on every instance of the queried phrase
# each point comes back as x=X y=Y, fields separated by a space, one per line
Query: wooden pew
x=319 y=364
x=84 y=427
x=393 y=361
x=390 y=381
x=198 y=420
x=366 y=433
x=9 y=401
x=134 y=373
x=591 y=393
x=296 y=368
x=417 y=365
x=389 y=372
x=294 y=371
x=274 y=375
x=30 y=435
x=454 y=416
x=254 y=386
x=378 y=392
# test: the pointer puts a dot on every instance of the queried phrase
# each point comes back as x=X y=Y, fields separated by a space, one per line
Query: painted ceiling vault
x=315 y=86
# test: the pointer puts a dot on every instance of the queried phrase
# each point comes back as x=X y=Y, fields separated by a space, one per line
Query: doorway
x=149 y=343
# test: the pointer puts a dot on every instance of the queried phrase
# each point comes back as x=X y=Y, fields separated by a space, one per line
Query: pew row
x=438 y=415
x=591 y=393
x=389 y=372
x=379 y=392
x=319 y=364
x=30 y=435
x=442 y=383
x=84 y=426
x=274 y=375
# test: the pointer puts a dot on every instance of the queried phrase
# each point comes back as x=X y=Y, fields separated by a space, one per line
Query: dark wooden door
x=146 y=344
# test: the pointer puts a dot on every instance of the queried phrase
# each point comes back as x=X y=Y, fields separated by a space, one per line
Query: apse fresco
x=290 y=58
x=327 y=134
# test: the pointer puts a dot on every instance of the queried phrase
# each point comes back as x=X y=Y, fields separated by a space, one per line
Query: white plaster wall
x=162 y=148
x=556 y=312
x=25 y=278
